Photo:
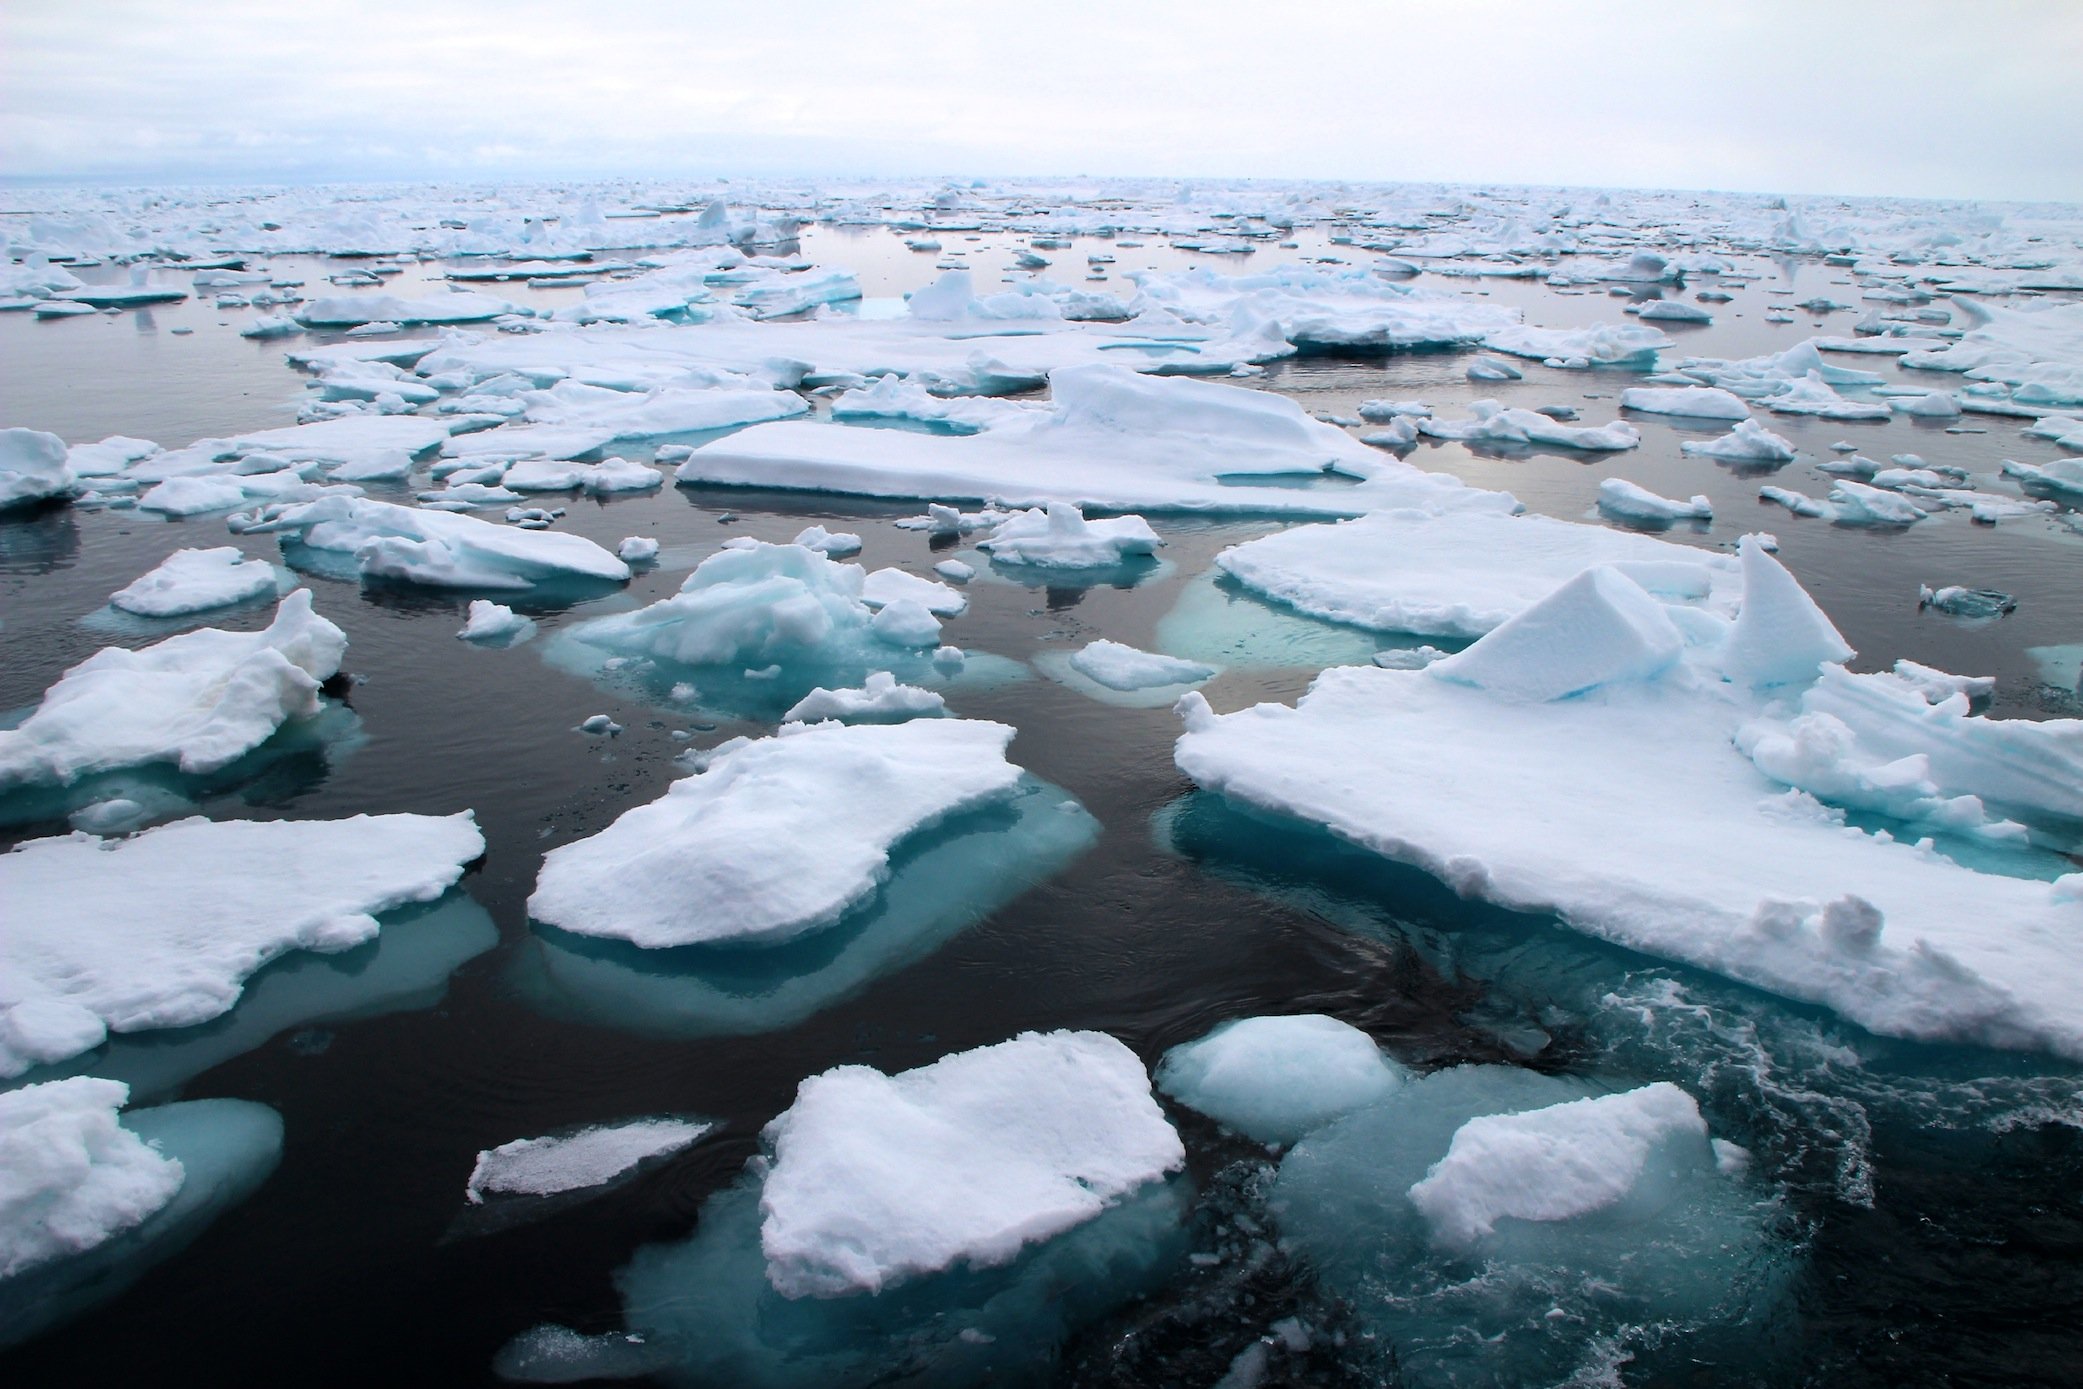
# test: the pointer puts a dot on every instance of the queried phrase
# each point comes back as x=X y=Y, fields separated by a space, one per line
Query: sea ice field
x=1091 y=782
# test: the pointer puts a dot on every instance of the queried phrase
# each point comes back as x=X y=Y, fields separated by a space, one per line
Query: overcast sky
x=1965 y=98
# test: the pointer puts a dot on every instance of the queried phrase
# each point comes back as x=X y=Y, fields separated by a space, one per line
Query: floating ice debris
x=1810 y=395
x=1121 y=667
x=552 y=1354
x=1628 y=501
x=161 y=929
x=598 y=724
x=877 y=1179
x=1966 y=602
x=1496 y=424
x=1937 y=405
x=75 y=1177
x=1671 y=311
x=1798 y=503
x=1607 y=345
x=1499 y=1226
x=190 y=581
x=271 y=326
x=437 y=548
x=955 y=571
x=1382 y=411
x=589 y=1158
x=1748 y=442
x=1059 y=537
x=881 y=699
x=751 y=604
x=495 y=622
x=1493 y=369
x=200 y=700
x=1692 y=402
x=392 y=311
x=34 y=468
x=1110 y=438
x=1460 y=575
x=637 y=549
x=2064 y=475
x=613 y=475
x=1554 y=1164
x=1276 y=1079
x=837 y=544
x=216 y=1151
x=777 y=837
x=1856 y=504
x=1711 y=867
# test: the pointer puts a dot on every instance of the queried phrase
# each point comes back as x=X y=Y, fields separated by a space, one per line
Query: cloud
x=1910 y=97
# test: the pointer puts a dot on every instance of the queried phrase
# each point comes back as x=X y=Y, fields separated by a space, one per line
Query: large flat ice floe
x=1111 y=439
x=1459 y=575
x=879 y=1178
x=442 y=549
x=191 y=581
x=199 y=701
x=776 y=837
x=1584 y=759
x=161 y=930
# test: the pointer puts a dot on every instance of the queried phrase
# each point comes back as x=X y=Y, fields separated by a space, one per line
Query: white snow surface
x=777 y=837
x=1460 y=574
x=877 y=1179
x=189 y=581
x=1110 y=440
x=1633 y=502
x=71 y=1176
x=200 y=700
x=1630 y=811
x=162 y=929
x=1550 y=1164
x=589 y=1158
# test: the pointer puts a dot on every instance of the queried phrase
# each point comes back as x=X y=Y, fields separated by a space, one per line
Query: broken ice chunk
x=592 y=1157
x=1276 y=1079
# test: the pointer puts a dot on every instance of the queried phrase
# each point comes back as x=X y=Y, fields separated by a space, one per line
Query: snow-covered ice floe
x=775 y=836
x=589 y=1159
x=495 y=624
x=1500 y=1226
x=1459 y=575
x=1681 y=787
x=192 y=581
x=969 y=1214
x=90 y=1199
x=382 y=540
x=1059 y=536
x=940 y=881
x=1110 y=440
x=161 y=930
x=880 y=699
x=1497 y=425
x=199 y=701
